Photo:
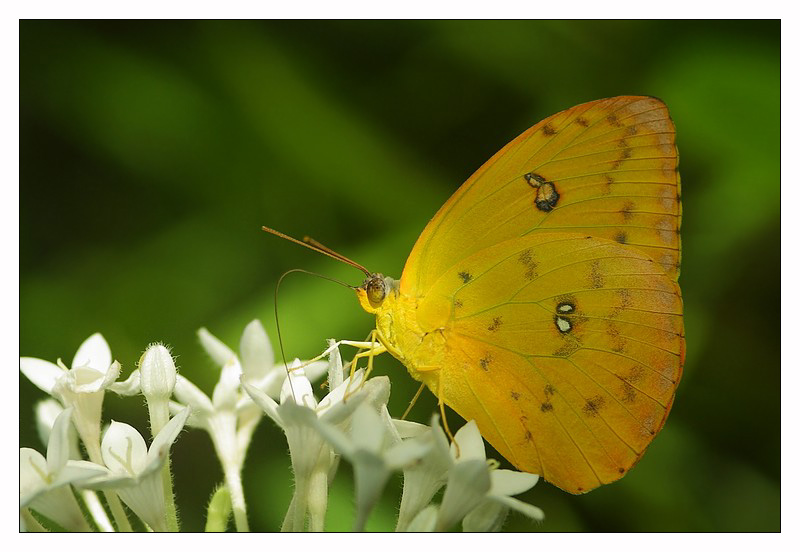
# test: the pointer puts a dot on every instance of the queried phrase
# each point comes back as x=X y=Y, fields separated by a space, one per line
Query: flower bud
x=157 y=372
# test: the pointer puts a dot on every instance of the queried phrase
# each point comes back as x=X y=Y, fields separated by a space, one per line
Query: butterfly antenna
x=314 y=245
x=277 y=321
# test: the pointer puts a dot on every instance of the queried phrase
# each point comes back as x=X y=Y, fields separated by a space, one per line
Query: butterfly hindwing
x=565 y=348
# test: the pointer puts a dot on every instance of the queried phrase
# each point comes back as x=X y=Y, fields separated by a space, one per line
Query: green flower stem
x=219 y=510
x=117 y=511
x=159 y=416
x=32 y=524
x=288 y=521
x=318 y=495
x=300 y=503
x=233 y=480
x=223 y=434
x=96 y=510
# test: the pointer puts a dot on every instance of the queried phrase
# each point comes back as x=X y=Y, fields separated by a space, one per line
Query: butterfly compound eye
x=376 y=290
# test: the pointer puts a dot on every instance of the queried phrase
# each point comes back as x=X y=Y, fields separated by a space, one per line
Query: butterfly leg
x=413 y=401
x=373 y=347
x=440 y=394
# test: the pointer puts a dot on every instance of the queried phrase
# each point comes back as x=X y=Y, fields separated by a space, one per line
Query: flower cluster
x=352 y=422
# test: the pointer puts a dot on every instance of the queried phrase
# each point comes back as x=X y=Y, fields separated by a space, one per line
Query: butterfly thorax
x=400 y=329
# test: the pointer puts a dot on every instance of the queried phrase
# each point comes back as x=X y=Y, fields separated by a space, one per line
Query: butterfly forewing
x=606 y=168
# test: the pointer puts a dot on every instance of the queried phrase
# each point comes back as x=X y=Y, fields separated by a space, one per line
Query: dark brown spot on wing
x=465 y=276
x=635 y=374
x=627 y=393
x=581 y=121
x=526 y=259
x=549 y=390
x=617 y=342
x=593 y=405
x=546 y=193
x=458 y=303
x=627 y=210
x=596 y=278
x=528 y=436
x=613 y=121
x=515 y=395
x=607 y=184
x=497 y=321
x=486 y=361
x=621 y=237
x=546 y=407
x=548 y=130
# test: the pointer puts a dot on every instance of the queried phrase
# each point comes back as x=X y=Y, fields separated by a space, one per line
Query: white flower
x=475 y=493
x=472 y=486
x=229 y=416
x=135 y=472
x=422 y=479
x=374 y=452
x=82 y=386
x=298 y=414
x=44 y=483
x=47 y=411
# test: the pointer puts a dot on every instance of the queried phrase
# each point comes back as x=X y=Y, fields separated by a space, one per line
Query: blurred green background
x=152 y=152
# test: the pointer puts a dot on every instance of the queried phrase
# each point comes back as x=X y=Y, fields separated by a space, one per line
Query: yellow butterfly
x=542 y=299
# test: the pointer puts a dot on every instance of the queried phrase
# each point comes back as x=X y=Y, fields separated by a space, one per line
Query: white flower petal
x=58 y=445
x=83 y=379
x=407 y=429
x=297 y=388
x=47 y=411
x=510 y=482
x=59 y=504
x=94 y=353
x=41 y=373
x=188 y=393
x=124 y=450
x=76 y=471
x=338 y=392
x=466 y=489
x=523 y=507
x=111 y=374
x=33 y=476
x=335 y=368
x=407 y=452
x=266 y=402
x=216 y=349
x=226 y=391
x=470 y=443
x=256 y=352
x=425 y=521
x=337 y=438
x=159 y=449
x=371 y=476
x=367 y=429
x=129 y=387
x=146 y=499
x=487 y=517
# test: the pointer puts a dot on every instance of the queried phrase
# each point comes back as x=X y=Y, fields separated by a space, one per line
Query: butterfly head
x=374 y=291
